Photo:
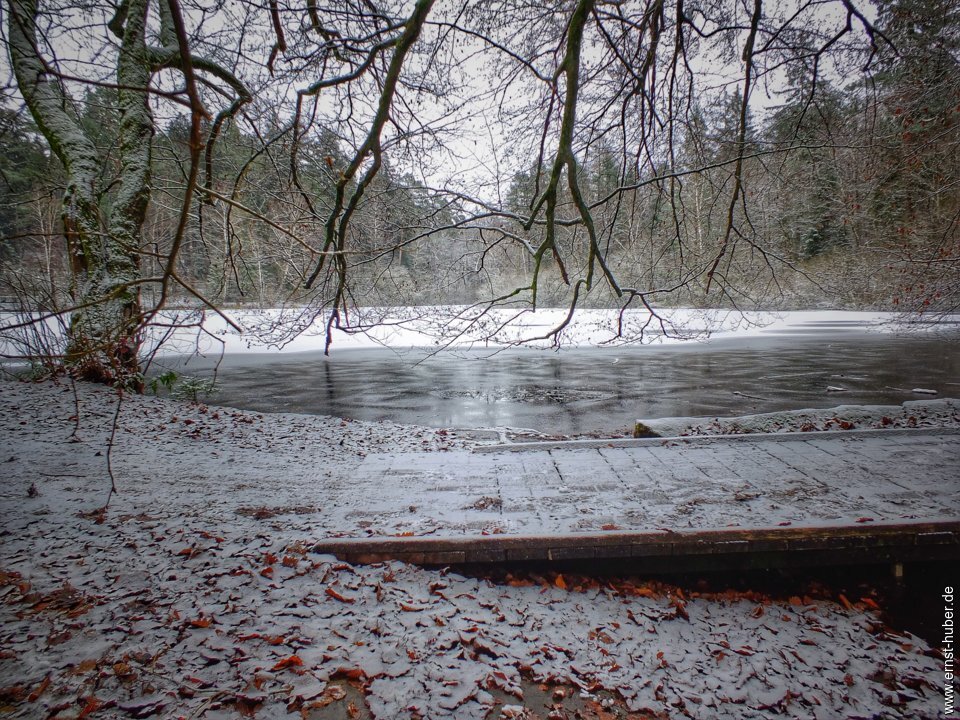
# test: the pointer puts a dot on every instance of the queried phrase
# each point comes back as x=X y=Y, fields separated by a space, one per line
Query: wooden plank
x=823 y=545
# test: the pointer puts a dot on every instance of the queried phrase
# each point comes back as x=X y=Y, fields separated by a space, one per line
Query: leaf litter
x=152 y=611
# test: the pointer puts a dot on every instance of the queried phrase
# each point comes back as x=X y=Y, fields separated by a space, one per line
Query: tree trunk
x=104 y=331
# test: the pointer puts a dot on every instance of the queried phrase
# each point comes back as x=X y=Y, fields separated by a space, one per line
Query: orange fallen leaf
x=846 y=603
x=35 y=695
x=609 y=526
x=267 y=572
x=870 y=603
x=292 y=661
x=92 y=705
x=84 y=666
x=349 y=673
x=201 y=622
x=337 y=596
x=560 y=582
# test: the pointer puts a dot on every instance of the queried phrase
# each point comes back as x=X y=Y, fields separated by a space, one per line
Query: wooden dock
x=683 y=504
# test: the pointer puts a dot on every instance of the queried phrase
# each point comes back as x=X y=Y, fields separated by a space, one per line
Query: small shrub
x=166 y=381
x=193 y=388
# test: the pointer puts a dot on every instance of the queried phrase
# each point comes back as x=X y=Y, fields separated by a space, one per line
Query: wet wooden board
x=676 y=551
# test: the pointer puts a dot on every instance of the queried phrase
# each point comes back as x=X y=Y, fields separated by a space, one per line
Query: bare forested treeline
x=163 y=154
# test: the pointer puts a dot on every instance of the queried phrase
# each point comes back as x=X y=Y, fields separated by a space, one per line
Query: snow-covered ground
x=150 y=609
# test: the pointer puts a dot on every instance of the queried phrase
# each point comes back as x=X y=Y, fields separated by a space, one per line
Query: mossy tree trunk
x=103 y=243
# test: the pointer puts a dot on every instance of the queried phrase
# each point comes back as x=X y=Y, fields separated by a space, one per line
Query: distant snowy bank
x=301 y=329
x=462 y=327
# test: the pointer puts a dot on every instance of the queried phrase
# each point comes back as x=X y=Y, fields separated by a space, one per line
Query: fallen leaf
x=337 y=596
x=870 y=603
x=44 y=684
x=292 y=661
x=92 y=705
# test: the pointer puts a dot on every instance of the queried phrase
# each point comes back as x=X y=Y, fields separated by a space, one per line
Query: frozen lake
x=587 y=390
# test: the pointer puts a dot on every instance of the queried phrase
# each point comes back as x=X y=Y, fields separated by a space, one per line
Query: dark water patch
x=593 y=390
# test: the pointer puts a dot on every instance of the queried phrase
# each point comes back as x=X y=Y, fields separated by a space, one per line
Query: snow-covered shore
x=940 y=413
x=167 y=608
x=462 y=327
x=270 y=330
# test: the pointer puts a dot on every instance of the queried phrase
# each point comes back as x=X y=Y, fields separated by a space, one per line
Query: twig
x=751 y=397
x=113 y=435
x=74 y=437
x=217 y=694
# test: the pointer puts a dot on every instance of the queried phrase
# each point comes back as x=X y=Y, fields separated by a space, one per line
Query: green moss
x=640 y=430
